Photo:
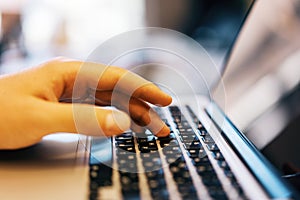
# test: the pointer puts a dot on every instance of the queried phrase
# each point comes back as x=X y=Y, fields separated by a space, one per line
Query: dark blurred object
x=11 y=33
x=210 y=22
x=294 y=179
x=283 y=151
x=285 y=147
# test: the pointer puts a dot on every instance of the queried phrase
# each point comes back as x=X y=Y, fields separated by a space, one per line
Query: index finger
x=136 y=86
x=109 y=78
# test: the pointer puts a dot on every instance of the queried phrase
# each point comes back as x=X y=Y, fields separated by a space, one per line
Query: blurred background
x=260 y=87
x=41 y=29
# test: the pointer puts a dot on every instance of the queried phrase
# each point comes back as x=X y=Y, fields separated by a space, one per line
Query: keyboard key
x=129 y=184
x=218 y=155
x=193 y=145
x=124 y=145
x=204 y=169
x=142 y=139
x=172 y=143
x=217 y=192
x=208 y=139
x=188 y=137
x=212 y=147
x=93 y=195
x=186 y=128
x=101 y=174
x=124 y=136
x=160 y=194
x=127 y=148
x=202 y=132
x=199 y=125
x=155 y=174
x=147 y=148
x=223 y=164
x=200 y=160
x=211 y=180
x=155 y=184
x=171 y=151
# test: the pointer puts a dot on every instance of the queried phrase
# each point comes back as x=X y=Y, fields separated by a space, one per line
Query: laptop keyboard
x=133 y=150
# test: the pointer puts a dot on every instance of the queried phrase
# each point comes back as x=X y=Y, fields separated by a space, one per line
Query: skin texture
x=69 y=96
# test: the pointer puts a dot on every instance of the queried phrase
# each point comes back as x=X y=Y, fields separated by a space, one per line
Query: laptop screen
x=261 y=81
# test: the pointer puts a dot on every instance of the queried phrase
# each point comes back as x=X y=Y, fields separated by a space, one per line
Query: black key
x=127 y=167
x=202 y=132
x=211 y=180
x=184 y=124
x=130 y=191
x=152 y=145
x=230 y=175
x=127 y=148
x=150 y=156
x=199 y=125
x=102 y=175
x=181 y=176
x=120 y=151
x=124 y=136
x=167 y=139
x=200 y=160
x=128 y=177
x=171 y=150
x=189 y=196
x=193 y=145
x=212 y=147
x=160 y=194
x=129 y=157
x=126 y=162
x=124 y=145
x=100 y=170
x=208 y=139
x=172 y=159
x=145 y=139
x=151 y=161
x=93 y=195
x=196 y=153
x=177 y=119
x=187 y=132
x=170 y=143
x=187 y=191
x=129 y=185
x=94 y=186
x=142 y=139
x=217 y=192
x=174 y=169
x=218 y=155
x=189 y=138
x=181 y=181
x=204 y=168
x=150 y=166
x=193 y=153
x=155 y=184
x=186 y=175
x=144 y=149
x=223 y=164
x=178 y=167
x=156 y=174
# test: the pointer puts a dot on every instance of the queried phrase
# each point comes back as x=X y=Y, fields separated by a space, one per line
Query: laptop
x=205 y=157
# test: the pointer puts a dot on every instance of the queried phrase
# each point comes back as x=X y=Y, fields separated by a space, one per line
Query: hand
x=34 y=102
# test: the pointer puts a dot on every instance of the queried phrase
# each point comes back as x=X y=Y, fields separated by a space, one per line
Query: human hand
x=33 y=102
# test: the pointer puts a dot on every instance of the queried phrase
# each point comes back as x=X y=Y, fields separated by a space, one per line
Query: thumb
x=88 y=119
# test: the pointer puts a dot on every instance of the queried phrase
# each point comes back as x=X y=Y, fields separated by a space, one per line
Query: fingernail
x=165 y=131
x=118 y=121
